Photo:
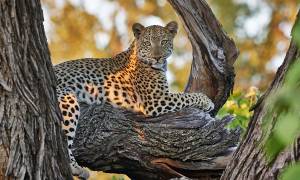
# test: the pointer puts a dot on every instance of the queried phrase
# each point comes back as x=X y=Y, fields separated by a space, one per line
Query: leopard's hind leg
x=70 y=109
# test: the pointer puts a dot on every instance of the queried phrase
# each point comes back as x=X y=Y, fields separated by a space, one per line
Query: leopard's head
x=155 y=43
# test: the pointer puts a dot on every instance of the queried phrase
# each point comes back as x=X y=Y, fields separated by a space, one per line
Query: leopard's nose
x=156 y=53
x=157 y=58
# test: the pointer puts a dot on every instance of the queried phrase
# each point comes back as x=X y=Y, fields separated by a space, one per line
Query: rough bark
x=31 y=143
x=249 y=160
x=214 y=53
x=188 y=142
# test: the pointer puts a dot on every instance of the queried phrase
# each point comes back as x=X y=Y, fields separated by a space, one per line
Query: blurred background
x=102 y=28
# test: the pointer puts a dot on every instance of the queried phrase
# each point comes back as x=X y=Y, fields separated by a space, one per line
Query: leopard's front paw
x=209 y=106
x=206 y=104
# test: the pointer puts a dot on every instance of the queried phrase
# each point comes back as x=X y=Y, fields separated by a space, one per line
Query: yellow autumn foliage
x=99 y=175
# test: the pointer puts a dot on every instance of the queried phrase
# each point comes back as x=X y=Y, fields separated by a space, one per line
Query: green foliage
x=291 y=172
x=118 y=178
x=296 y=32
x=238 y=104
x=283 y=112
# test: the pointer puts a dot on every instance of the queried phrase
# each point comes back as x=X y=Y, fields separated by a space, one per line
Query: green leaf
x=296 y=33
x=281 y=124
x=291 y=172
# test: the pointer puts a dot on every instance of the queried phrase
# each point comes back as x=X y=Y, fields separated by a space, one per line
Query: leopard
x=134 y=79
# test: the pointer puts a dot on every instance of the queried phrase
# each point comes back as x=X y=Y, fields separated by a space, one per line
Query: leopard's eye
x=164 y=42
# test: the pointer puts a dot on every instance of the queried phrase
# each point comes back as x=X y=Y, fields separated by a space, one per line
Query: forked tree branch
x=189 y=142
x=214 y=53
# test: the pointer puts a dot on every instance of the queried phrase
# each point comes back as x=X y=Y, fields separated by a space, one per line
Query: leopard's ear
x=172 y=27
x=137 y=29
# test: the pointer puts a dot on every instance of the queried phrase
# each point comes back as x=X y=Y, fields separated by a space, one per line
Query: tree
x=189 y=142
x=251 y=160
x=31 y=143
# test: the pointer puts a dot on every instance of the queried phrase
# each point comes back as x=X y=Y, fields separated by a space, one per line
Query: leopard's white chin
x=159 y=66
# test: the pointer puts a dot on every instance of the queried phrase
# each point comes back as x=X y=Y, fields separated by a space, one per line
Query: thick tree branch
x=214 y=53
x=119 y=141
x=188 y=142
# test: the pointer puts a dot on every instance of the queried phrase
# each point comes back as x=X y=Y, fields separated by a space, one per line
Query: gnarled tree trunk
x=249 y=161
x=189 y=142
x=31 y=143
